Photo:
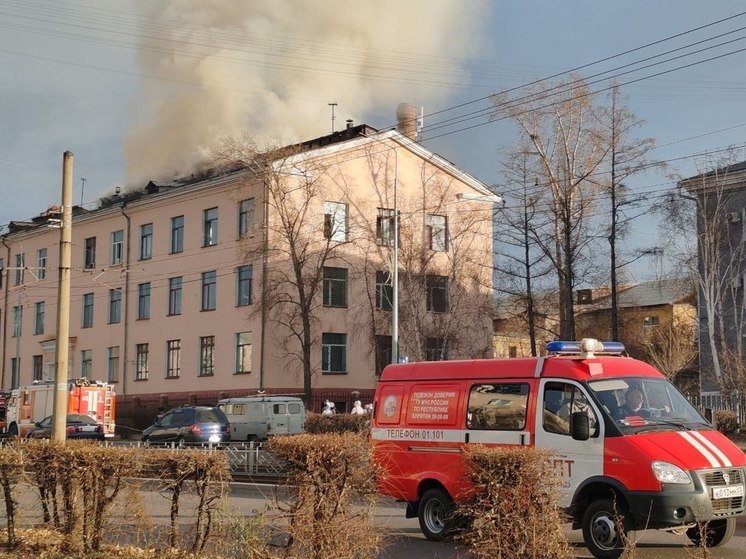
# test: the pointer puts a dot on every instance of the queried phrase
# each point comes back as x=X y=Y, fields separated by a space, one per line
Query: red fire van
x=625 y=442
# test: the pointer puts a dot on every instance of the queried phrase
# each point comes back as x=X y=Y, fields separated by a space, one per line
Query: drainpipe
x=126 y=301
x=265 y=247
x=4 y=324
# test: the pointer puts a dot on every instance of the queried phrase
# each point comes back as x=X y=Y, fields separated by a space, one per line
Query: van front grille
x=725 y=477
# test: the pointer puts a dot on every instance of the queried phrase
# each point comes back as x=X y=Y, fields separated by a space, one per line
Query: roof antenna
x=332 y=105
x=82 y=190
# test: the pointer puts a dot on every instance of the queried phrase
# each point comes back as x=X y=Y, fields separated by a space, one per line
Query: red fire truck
x=31 y=403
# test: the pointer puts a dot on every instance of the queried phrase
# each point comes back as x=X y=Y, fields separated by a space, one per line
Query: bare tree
x=294 y=248
x=561 y=124
x=671 y=347
x=627 y=157
x=715 y=259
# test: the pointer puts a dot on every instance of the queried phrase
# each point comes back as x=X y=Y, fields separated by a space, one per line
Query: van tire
x=433 y=512
x=13 y=430
x=719 y=532
x=601 y=529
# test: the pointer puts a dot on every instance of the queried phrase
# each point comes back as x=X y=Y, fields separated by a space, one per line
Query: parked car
x=79 y=426
x=190 y=424
x=255 y=418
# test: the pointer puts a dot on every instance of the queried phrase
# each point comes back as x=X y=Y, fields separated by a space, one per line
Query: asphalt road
x=405 y=541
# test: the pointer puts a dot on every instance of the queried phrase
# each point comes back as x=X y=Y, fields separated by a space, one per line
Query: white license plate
x=727 y=492
x=214 y=439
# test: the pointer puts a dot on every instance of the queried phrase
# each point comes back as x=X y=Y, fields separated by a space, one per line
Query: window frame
x=384 y=291
x=176 y=240
x=244 y=285
x=143 y=301
x=146 y=241
x=336 y=221
x=210 y=227
x=331 y=347
x=209 y=291
x=173 y=359
x=434 y=284
x=142 y=352
x=39 y=312
x=246 y=209
x=175 y=294
x=117 y=247
x=335 y=287
x=115 y=306
x=436 y=349
x=87 y=315
x=243 y=355
x=385 y=226
x=89 y=253
x=41 y=264
x=437 y=236
x=112 y=363
x=206 y=356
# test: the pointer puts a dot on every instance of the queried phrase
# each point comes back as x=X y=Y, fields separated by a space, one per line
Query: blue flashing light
x=585 y=346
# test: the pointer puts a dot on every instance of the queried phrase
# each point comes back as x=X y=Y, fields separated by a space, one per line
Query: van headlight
x=669 y=473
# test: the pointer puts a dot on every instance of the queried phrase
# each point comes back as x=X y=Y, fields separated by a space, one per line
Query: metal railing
x=720 y=402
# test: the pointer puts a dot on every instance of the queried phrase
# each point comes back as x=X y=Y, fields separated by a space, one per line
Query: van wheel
x=251 y=438
x=13 y=430
x=718 y=532
x=601 y=528
x=435 y=507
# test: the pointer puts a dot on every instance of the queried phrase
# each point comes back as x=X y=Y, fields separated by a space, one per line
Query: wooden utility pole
x=59 y=425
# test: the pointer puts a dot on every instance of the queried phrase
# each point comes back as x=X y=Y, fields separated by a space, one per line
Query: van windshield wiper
x=678 y=422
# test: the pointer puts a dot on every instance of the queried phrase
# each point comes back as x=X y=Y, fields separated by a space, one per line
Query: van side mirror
x=580 y=426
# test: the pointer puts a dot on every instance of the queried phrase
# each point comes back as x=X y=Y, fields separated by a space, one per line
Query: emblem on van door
x=389 y=406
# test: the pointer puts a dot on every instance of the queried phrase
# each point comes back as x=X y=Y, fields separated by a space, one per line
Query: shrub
x=318 y=424
x=726 y=422
x=513 y=510
x=333 y=495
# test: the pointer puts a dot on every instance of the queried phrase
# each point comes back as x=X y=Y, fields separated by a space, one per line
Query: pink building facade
x=177 y=290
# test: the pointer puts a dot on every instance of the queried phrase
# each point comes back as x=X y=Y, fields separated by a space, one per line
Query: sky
x=141 y=89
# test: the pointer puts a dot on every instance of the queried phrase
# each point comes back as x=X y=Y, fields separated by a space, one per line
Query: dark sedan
x=79 y=426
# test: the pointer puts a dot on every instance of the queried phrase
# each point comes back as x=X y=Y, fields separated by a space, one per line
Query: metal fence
x=708 y=404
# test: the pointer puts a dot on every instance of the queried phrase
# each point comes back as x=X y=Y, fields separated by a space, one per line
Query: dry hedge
x=317 y=424
x=513 y=510
x=726 y=422
x=333 y=496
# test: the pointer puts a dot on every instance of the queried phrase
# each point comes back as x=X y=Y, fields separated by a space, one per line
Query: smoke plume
x=215 y=68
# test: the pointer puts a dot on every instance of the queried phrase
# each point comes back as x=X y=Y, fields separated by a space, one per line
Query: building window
x=89 y=256
x=17 y=321
x=38 y=365
x=335 y=287
x=384 y=291
x=88 y=310
x=146 y=241
x=143 y=301
x=244 y=285
x=41 y=263
x=210 y=230
x=115 y=306
x=436 y=349
x=117 y=246
x=437 y=232
x=174 y=296
x=86 y=363
x=333 y=352
x=177 y=234
x=649 y=322
x=437 y=293
x=385 y=227
x=512 y=351
x=20 y=268
x=173 y=365
x=206 y=356
x=335 y=221
x=209 y=290
x=384 y=350
x=243 y=352
x=39 y=322
x=141 y=362
x=2 y=271
x=113 y=369
x=15 y=372
x=245 y=216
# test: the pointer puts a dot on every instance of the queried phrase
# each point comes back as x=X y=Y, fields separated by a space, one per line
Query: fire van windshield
x=640 y=404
